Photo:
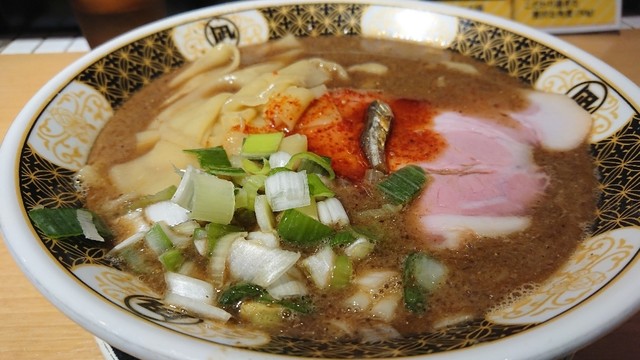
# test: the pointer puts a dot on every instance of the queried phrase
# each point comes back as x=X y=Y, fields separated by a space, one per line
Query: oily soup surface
x=482 y=272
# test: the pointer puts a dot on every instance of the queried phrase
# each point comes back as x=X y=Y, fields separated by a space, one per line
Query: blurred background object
x=98 y=19
x=103 y=19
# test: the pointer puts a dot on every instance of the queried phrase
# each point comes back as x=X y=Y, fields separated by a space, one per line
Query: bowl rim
x=556 y=337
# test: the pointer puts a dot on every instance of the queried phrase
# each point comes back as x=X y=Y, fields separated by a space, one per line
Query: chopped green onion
x=226 y=171
x=216 y=231
x=428 y=272
x=129 y=242
x=172 y=259
x=311 y=166
x=252 y=167
x=215 y=161
x=232 y=296
x=420 y=275
x=293 y=144
x=166 y=211
x=300 y=229
x=331 y=212
x=320 y=266
x=244 y=218
x=256 y=146
x=287 y=190
x=242 y=198
x=252 y=184
x=359 y=249
x=277 y=170
x=236 y=294
x=183 y=195
x=213 y=199
x=186 y=228
x=342 y=272
x=89 y=229
x=63 y=222
x=262 y=315
x=201 y=241
x=137 y=260
x=264 y=215
x=279 y=159
x=211 y=157
x=324 y=163
x=157 y=238
x=310 y=210
x=404 y=185
x=196 y=307
x=300 y=304
x=219 y=256
x=268 y=239
x=189 y=287
x=259 y=264
x=344 y=237
x=371 y=232
x=147 y=200
x=317 y=188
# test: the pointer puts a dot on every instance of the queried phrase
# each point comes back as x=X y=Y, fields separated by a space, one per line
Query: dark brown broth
x=482 y=273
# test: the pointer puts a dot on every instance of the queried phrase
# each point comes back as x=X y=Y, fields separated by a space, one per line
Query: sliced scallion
x=89 y=229
x=341 y=238
x=215 y=161
x=256 y=146
x=258 y=264
x=211 y=157
x=323 y=162
x=300 y=229
x=404 y=185
x=233 y=297
x=213 y=199
x=320 y=266
x=157 y=238
x=147 y=200
x=252 y=184
x=183 y=195
x=279 y=159
x=219 y=255
x=251 y=166
x=359 y=249
x=317 y=188
x=63 y=222
x=331 y=212
x=342 y=272
x=287 y=190
x=262 y=315
x=242 y=198
x=244 y=218
x=216 y=231
x=264 y=215
x=166 y=211
x=172 y=259
x=420 y=275
x=190 y=287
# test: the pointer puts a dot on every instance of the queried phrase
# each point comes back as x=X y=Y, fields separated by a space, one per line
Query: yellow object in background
x=566 y=13
x=496 y=7
x=555 y=16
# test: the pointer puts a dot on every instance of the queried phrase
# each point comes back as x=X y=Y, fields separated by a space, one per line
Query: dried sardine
x=378 y=119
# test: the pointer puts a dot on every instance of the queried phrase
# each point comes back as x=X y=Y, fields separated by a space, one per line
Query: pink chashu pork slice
x=485 y=181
